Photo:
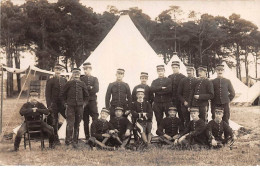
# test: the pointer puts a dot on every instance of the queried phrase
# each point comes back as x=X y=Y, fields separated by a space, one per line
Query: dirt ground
x=246 y=151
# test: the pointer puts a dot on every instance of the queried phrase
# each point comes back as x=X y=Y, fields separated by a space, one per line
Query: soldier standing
x=53 y=95
x=121 y=94
x=176 y=78
x=148 y=94
x=185 y=88
x=223 y=93
x=162 y=88
x=202 y=93
x=76 y=97
x=93 y=87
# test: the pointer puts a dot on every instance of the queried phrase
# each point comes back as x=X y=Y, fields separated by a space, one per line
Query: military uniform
x=148 y=94
x=28 y=113
x=185 y=88
x=76 y=96
x=216 y=130
x=163 y=97
x=203 y=88
x=223 y=94
x=170 y=126
x=100 y=127
x=196 y=132
x=121 y=96
x=53 y=94
x=91 y=108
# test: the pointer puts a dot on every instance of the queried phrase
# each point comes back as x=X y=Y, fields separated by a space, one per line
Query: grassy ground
x=246 y=153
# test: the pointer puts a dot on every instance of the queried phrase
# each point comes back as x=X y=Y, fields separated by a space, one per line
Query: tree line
x=70 y=31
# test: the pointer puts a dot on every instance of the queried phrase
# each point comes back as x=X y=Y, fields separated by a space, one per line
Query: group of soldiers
x=173 y=100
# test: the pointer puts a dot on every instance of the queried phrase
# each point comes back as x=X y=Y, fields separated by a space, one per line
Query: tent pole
x=2 y=92
x=15 y=105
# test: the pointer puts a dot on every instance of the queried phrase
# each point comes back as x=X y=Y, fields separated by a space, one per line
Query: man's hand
x=196 y=96
x=185 y=103
x=116 y=131
x=34 y=109
x=127 y=112
x=111 y=131
x=106 y=135
x=145 y=116
x=176 y=136
x=182 y=138
x=176 y=142
x=167 y=137
x=214 y=142
x=127 y=133
x=163 y=88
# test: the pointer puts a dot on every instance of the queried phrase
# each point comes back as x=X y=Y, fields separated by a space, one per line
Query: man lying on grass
x=101 y=131
x=216 y=128
x=169 y=127
x=123 y=128
x=194 y=134
x=32 y=111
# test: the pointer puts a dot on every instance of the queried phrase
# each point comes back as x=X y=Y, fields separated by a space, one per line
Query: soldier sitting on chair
x=142 y=116
x=194 y=133
x=122 y=127
x=170 y=127
x=101 y=131
x=32 y=110
x=216 y=128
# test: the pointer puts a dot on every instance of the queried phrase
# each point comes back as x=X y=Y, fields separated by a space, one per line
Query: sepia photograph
x=130 y=83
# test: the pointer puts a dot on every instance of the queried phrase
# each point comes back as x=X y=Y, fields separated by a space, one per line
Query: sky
x=248 y=9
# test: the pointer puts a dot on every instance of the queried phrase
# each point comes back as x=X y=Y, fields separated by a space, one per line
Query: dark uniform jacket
x=185 y=88
x=121 y=124
x=26 y=110
x=196 y=131
x=203 y=88
x=91 y=81
x=148 y=94
x=162 y=95
x=176 y=78
x=121 y=94
x=75 y=93
x=223 y=91
x=170 y=126
x=99 y=127
x=53 y=91
x=137 y=110
x=215 y=130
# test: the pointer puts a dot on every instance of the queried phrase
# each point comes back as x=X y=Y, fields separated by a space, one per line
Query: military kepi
x=33 y=93
x=87 y=65
x=194 y=109
x=120 y=70
x=119 y=108
x=159 y=67
x=175 y=63
x=144 y=74
x=220 y=67
x=58 y=66
x=203 y=68
x=76 y=70
x=190 y=66
x=140 y=90
x=172 y=108
x=219 y=110
x=105 y=110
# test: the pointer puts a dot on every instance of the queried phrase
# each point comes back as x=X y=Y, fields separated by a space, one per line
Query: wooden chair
x=34 y=132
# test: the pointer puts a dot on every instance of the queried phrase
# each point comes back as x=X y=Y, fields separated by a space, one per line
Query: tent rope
x=15 y=106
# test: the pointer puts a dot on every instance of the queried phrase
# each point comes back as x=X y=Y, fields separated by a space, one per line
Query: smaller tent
x=168 y=67
x=249 y=97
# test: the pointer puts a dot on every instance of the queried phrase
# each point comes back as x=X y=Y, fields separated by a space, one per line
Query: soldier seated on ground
x=123 y=128
x=101 y=131
x=142 y=114
x=32 y=110
x=170 y=127
x=216 y=128
x=194 y=133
